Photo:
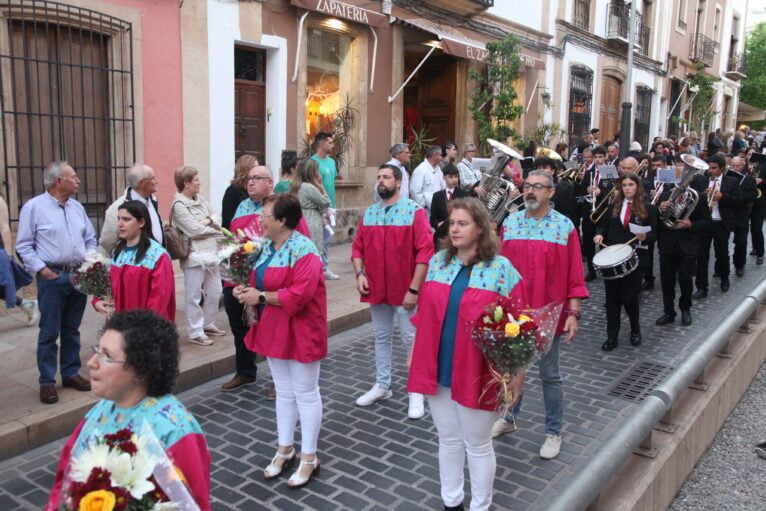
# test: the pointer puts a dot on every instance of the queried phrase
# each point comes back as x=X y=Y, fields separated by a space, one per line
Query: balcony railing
x=618 y=15
x=703 y=49
x=736 y=66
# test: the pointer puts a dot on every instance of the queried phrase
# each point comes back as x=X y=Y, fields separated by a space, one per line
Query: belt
x=65 y=268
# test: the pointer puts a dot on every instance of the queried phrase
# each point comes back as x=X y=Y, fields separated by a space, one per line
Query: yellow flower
x=99 y=500
x=248 y=247
x=524 y=318
x=512 y=329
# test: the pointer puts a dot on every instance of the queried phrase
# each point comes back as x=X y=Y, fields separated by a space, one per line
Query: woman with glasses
x=629 y=207
x=141 y=273
x=133 y=370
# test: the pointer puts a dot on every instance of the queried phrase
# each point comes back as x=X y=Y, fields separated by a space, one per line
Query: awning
x=749 y=113
x=344 y=10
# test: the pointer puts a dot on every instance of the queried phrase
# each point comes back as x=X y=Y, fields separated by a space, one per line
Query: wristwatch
x=262 y=298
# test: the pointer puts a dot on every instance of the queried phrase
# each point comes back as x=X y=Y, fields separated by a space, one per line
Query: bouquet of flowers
x=237 y=257
x=511 y=339
x=125 y=472
x=92 y=277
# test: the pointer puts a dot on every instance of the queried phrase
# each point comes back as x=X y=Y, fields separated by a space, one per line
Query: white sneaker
x=416 y=409
x=214 y=331
x=374 y=394
x=29 y=307
x=202 y=340
x=328 y=275
x=551 y=447
x=502 y=426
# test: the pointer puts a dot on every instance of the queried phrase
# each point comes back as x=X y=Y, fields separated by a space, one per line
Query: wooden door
x=436 y=97
x=249 y=119
x=609 y=121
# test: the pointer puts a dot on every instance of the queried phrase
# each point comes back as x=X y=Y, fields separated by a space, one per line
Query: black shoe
x=686 y=317
x=609 y=345
x=759 y=261
x=648 y=285
x=665 y=319
x=740 y=272
x=590 y=276
x=700 y=294
x=725 y=284
x=716 y=276
x=459 y=507
x=635 y=338
x=752 y=252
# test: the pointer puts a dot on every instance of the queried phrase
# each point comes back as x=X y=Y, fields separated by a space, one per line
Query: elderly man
x=469 y=177
x=427 y=179
x=54 y=235
x=142 y=185
x=628 y=165
x=400 y=156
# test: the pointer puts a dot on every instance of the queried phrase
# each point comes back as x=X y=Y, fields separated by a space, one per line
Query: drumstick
x=602 y=244
x=631 y=241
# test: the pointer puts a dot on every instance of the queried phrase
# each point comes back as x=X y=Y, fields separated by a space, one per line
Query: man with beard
x=542 y=244
x=612 y=154
x=390 y=253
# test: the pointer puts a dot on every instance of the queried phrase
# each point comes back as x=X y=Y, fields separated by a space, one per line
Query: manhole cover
x=641 y=380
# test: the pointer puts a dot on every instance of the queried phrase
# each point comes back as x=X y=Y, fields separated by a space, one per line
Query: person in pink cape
x=141 y=272
x=463 y=280
x=288 y=289
x=133 y=369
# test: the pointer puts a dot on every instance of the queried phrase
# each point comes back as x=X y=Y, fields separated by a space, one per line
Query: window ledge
x=346 y=183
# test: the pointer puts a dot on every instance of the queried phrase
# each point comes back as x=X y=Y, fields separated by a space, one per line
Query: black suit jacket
x=731 y=200
x=439 y=205
x=685 y=242
x=614 y=232
x=565 y=202
x=760 y=203
x=748 y=192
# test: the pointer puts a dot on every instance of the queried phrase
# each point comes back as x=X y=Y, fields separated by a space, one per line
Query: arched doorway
x=609 y=122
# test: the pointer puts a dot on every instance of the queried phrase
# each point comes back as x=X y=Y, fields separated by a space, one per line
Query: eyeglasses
x=254 y=179
x=535 y=186
x=103 y=357
x=267 y=215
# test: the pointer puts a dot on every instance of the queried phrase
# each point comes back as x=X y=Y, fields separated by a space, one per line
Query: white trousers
x=297 y=387
x=383 y=317
x=197 y=279
x=464 y=431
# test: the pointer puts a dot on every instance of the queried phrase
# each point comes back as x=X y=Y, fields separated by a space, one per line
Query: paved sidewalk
x=377 y=459
x=25 y=421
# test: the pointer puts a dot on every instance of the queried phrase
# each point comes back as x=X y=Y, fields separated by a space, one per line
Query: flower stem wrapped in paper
x=92 y=277
x=236 y=258
x=512 y=338
x=125 y=471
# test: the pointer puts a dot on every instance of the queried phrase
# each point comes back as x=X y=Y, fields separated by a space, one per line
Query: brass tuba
x=683 y=199
x=499 y=194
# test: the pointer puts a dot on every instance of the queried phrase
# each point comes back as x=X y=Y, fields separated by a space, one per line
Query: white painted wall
x=524 y=12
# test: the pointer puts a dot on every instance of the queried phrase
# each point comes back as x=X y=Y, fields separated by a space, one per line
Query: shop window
x=580 y=103
x=328 y=79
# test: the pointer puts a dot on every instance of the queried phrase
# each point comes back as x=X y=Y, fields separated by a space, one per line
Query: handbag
x=177 y=243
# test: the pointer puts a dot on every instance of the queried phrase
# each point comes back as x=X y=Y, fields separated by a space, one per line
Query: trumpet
x=711 y=195
x=573 y=174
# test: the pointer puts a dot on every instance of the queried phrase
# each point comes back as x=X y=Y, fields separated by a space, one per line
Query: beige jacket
x=187 y=215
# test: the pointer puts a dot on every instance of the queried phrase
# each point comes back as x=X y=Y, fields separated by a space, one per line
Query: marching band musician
x=758 y=214
x=678 y=248
x=723 y=197
x=590 y=186
x=629 y=207
x=749 y=193
x=646 y=253
x=565 y=201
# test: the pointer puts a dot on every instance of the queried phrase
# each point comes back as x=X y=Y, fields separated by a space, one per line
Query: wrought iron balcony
x=736 y=68
x=703 y=49
x=617 y=19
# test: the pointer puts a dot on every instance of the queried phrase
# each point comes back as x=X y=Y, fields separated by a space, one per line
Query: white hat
x=635 y=146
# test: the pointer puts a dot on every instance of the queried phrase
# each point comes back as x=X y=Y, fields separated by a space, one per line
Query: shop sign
x=343 y=10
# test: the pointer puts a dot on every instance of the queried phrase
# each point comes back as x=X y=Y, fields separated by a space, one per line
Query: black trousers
x=622 y=293
x=740 y=247
x=718 y=235
x=588 y=247
x=677 y=267
x=244 y=358
x=757 y=217
x=646 y=261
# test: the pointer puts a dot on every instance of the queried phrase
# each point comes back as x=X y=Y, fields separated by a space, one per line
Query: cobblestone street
x=375 y=458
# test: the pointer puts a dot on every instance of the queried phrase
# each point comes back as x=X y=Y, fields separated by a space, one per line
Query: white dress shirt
x=426 y=181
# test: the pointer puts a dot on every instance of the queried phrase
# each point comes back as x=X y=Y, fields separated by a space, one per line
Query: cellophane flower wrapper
x=124 y=472
x=236 y=258
x=512 y=338
x=92 y=277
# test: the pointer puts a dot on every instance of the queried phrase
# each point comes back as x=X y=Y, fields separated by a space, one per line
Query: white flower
x=227 y=251
x=133 y=472
x=96 y=455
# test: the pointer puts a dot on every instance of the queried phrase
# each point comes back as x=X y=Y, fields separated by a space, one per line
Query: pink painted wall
x=162 y=90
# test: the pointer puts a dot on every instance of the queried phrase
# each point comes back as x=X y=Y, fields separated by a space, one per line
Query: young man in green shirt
x=323 y=146
x=289 y=163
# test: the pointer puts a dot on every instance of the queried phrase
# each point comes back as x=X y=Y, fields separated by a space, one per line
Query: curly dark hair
x=150 y=343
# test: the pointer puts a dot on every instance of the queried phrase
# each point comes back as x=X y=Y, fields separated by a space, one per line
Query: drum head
x=613 y=255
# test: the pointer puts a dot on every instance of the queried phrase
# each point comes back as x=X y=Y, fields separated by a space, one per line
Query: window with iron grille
x=66 y=93
x=580 y=104
x=643 y=116
x=582 y=14
x=675 y=102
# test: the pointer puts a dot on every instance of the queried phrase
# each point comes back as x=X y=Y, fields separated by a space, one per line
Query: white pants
x=464 y=431
x=197 y=279
x=297 y=387
x=383 y=317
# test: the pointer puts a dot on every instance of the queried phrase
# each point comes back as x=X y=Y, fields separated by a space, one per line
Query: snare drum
x=615 y=261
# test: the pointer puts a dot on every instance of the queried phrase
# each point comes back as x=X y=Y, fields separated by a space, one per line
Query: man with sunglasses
x=543 y=245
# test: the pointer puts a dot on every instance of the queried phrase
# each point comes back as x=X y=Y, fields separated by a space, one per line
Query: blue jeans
x=61 y=309
x=553 y=390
